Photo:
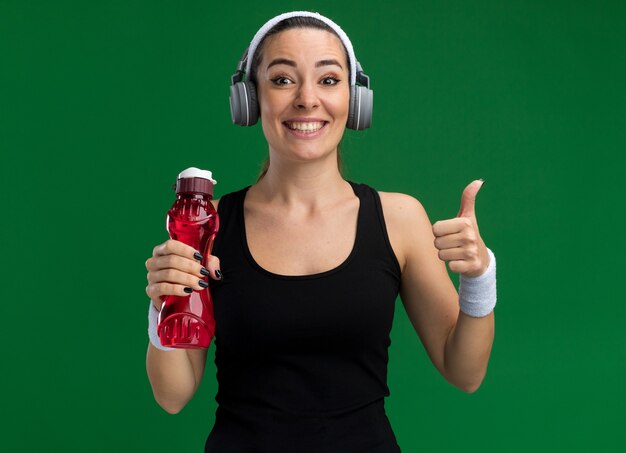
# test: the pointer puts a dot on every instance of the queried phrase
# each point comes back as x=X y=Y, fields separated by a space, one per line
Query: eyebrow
x=293 y=63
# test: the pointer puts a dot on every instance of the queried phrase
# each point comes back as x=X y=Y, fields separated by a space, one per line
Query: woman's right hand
x=172 y=268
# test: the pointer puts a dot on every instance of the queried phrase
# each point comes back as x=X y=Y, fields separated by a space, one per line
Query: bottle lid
x=195 y=180
x=193 y=172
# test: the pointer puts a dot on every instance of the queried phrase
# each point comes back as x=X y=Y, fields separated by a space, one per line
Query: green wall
x=103 y=103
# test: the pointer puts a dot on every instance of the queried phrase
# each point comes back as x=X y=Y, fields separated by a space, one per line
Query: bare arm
x=468 y=349
x=458 y=345
x=175 y=375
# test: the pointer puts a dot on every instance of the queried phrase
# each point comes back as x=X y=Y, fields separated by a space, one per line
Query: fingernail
x=203 y=284
x=188 y=290
x=198 y=256
x=205 y=271
x=218 y=274
x=482 y=181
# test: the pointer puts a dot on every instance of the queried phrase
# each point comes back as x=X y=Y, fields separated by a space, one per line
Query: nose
x=306 y=96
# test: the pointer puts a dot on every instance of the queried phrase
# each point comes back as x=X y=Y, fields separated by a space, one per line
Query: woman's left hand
x=458 y=240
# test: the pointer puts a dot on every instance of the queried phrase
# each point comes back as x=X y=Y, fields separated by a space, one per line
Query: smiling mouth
x=307 y=128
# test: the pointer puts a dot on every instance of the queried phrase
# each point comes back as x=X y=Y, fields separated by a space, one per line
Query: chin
x=307 y=152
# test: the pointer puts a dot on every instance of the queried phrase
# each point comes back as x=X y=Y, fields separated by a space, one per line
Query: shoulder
x=402 y=210
x=406 y=221
x=231 y=194
x=400 y=205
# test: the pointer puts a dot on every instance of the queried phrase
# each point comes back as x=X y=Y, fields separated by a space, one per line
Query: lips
x=305 y=126
x=305 y=129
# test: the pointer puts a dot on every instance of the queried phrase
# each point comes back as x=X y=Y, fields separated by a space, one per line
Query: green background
x=103 y=103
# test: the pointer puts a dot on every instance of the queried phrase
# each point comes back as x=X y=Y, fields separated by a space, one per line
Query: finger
x=213 y=266
x=176 y=262
x=158 y=291
x=180 y=278
x=172 y=246
x=451 y=226
x=457 y=253
x=468 y=199
x=450 y=241
x=459 y=266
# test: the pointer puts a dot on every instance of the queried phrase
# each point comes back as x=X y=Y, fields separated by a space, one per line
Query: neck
x=309 y=186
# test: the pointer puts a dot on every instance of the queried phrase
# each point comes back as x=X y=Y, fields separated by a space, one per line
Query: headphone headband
x=270 y=23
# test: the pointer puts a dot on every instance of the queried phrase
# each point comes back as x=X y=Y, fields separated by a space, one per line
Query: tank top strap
x=373 y=237
x=228 y=211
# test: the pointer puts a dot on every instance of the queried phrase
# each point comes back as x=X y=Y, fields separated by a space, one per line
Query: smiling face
x=303 y=93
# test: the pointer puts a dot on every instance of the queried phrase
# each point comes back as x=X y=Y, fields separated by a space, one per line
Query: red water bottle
x=188 y=321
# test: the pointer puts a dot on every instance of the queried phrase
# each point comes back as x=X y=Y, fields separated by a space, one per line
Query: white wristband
x=153 y=319
x=477 y=295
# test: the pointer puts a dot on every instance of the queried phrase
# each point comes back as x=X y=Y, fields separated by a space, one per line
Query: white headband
x=270 y=23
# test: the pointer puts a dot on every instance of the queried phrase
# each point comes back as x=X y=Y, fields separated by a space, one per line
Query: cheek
x=262 y=100
x=271 y=105
x=345 y=100
x=341 y=104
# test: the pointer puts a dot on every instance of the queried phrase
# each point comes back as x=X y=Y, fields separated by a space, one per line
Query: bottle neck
x=192 y=195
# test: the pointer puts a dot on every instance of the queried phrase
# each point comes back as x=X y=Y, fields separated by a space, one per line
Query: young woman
x=306 y=269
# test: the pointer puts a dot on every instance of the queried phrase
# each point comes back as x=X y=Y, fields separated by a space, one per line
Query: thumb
x=468 y=199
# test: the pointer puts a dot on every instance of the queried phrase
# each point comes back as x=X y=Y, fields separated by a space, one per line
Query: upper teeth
x=305 y=126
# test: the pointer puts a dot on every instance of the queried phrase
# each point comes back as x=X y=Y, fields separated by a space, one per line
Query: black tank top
x=302 y=360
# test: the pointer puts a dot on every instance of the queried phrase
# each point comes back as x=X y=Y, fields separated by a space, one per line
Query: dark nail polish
x=205 y=271
x=188 y=290
x=203 y=284
x=218 y=274
x=198 y=256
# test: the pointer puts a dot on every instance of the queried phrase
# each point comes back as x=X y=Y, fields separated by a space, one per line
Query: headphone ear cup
x=236 y=94
x=361 y=105
x=244 y=109
x=351 y=109
x=253 y=103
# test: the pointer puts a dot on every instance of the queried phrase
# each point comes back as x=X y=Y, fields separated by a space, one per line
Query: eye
x=277 y=80
x=334 y=80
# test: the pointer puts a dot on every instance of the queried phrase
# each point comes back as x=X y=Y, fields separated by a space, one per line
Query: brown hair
x=286 y=24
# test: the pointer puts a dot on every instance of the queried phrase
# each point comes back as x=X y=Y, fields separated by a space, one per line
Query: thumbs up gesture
x=458 y=240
